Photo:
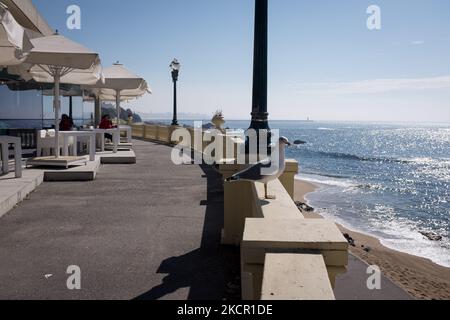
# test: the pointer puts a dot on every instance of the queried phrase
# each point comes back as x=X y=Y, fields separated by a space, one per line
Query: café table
x=5 y=141
x=66 y=135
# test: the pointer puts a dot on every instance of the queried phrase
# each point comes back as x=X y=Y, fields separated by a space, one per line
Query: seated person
x=66 y=123
x=106 y=124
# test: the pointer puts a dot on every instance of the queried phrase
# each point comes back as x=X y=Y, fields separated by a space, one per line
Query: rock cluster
x=431 y=236
x=304 y=207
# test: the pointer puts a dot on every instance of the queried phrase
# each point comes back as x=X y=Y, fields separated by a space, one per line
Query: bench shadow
x=212 y=271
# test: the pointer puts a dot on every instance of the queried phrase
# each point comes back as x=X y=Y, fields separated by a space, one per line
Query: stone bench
x=280 y=208
x=246 y=200
x=295 y=277
x=289 y=236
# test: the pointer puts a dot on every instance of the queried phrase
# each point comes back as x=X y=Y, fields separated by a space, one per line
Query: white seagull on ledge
x=255 y=172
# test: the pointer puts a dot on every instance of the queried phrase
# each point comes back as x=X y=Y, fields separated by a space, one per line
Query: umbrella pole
x=98 y=110
x=116 y=143
x=57 y=104
x=71 y=107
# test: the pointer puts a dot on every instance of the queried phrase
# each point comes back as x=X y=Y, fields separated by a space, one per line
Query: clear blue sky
x=324 y=62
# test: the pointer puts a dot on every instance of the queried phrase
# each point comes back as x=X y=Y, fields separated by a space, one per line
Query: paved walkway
x=147 y=231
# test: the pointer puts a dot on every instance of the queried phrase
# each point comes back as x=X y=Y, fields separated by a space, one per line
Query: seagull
x=255 y=174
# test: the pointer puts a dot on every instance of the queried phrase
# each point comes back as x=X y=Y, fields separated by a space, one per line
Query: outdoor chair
x=5 y=142
x=46 y=143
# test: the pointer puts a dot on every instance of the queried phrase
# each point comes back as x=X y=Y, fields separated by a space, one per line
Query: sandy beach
x=420 y=277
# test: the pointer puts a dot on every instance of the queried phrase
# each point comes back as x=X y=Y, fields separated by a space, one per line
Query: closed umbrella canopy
x=14 y=42
x=56 y=59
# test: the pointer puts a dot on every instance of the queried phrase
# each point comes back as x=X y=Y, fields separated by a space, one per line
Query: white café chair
x=46 y=143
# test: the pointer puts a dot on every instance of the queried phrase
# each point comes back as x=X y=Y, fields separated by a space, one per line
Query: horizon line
x=318 y=121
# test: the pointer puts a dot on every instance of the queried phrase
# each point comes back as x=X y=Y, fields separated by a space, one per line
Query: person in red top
x=66 y=123
x=106 y=124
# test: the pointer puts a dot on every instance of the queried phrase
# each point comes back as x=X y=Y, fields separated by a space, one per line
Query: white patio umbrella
x=119 y=84
x=14 y=42
x=56 y=59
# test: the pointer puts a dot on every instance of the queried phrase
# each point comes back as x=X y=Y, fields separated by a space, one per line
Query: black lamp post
x=175 y=67
x=260 y=116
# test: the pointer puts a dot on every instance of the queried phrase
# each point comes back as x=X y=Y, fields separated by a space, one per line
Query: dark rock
x=304 y=207
x=367 y=249
x=299 y=142
x=431 y=236
x=350 y=240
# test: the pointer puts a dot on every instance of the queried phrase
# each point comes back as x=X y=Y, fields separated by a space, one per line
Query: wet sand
x=420 y=277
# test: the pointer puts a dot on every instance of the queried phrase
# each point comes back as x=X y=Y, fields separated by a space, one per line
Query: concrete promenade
x=144 y=231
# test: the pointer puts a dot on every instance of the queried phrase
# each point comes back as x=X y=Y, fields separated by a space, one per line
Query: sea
x=387 y=180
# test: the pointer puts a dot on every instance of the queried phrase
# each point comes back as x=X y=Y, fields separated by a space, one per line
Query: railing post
x=144 y=131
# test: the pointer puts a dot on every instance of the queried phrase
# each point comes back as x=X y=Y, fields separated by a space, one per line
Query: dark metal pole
x=71 y=107
x=175 y=78
x=259 y=104
x=98 y=112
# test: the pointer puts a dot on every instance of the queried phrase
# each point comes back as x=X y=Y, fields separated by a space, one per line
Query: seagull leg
x=266 y=193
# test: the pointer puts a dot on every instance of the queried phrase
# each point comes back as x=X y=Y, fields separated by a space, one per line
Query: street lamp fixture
x=175 y=66
x=260 y=116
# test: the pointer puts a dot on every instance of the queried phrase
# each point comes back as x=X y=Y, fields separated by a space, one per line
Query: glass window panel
x=20 y=109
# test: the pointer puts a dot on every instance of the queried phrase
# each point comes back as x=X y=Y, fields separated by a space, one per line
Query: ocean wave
x=394 y=232
x=428 y=161
x=338 y=181
x=329 y=181
x=327 y=175
x=424 y=161
x=326 y=129
x=349 y=156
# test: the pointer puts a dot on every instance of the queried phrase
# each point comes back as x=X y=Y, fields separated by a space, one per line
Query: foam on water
x=328 y=181
x=381 y=221
x=326 y=129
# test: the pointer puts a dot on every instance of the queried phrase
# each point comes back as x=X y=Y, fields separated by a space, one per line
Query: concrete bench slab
x=251 y=281
x=263 y=237
x=78 y=173
x=296 y=277
x=15 y=190
x=62 y=162
x=280 y=208
x=121 y=157
x=336 y=259
x=121 y=147
x=305 y=234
